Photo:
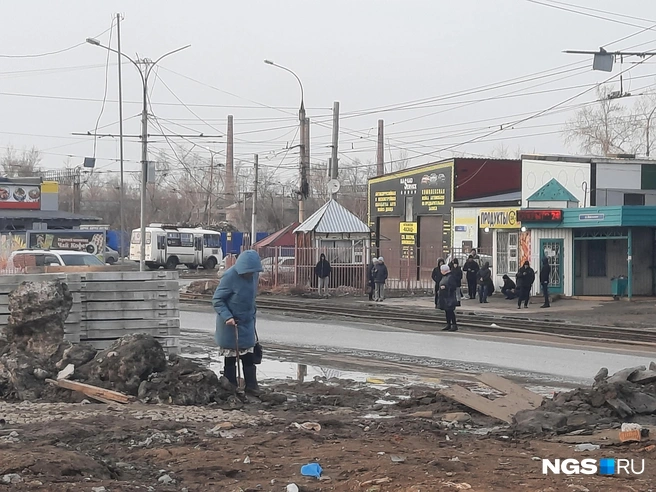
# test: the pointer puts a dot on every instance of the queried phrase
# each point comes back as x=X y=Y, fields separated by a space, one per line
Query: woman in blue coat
x=234 y=303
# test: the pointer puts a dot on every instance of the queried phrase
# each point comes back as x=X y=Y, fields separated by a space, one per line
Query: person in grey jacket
x=234 y=303
x=380 y=278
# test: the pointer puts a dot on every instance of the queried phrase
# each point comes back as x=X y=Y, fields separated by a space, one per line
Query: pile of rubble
x=34 y=356
x=203 y=287
x=628 y=395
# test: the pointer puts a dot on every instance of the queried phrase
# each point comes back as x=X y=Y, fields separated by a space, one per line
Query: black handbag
x=257 y=350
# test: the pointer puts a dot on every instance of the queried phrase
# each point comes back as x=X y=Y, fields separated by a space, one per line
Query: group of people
x=448 y=281
x=525 y=278
x=377 y=278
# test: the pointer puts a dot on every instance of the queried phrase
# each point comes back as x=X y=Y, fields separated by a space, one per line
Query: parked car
x=111 y=255
x=51 y=257
x=281 y=267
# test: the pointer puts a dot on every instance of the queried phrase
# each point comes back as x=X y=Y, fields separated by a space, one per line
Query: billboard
x=89 y=241
x=426 y=190
x=26 y=197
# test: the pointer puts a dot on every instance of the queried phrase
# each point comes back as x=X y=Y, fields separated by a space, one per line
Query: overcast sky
x=369 y=55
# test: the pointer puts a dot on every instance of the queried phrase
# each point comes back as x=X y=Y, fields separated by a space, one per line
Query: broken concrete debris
x=135 y=365
x=627 y=395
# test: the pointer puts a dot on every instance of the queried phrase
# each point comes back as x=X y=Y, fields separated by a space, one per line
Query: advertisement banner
x=92 y=242
x=27 y=197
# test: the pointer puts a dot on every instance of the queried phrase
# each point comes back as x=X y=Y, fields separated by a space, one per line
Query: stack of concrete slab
x=109 y=305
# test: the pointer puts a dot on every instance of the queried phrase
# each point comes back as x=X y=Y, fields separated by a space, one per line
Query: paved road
x=459 y=351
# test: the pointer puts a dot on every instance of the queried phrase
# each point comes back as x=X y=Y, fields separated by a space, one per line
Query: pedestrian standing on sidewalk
x=545 y=275
x=437 y=277
x=380 y=278
x=484 y=278
x=454 y=266
x=447 y=297
x=471 y=269
x=323 y=271
x=370 y=278
x=525 y=278
x=234 y=303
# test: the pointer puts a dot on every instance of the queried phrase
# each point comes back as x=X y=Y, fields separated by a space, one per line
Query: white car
x=53 y=257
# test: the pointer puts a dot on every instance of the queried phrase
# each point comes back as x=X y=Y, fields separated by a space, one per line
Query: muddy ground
x=255 y=447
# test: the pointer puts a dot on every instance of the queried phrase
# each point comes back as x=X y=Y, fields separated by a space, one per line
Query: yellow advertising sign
x=499 y=218
x=408 y=228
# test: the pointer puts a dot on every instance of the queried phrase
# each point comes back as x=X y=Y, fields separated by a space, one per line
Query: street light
x=144 y=74
x=304 y=144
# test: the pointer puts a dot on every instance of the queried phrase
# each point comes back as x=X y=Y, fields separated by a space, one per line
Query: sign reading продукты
x=499 y=218
x=591 y=217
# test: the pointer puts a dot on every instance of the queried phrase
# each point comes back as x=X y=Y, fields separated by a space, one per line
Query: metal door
x=198 y=250
x=553 y=250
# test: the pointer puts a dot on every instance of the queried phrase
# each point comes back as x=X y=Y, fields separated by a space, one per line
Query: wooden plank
x=92 y=391
x=131 y=315
x=511 y=389
x=131 y=306
x=478 y=403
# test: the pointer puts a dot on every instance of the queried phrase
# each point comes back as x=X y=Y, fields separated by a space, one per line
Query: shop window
x=337 y=251
x=596 y=258
x=634 y=199
x=507 y=252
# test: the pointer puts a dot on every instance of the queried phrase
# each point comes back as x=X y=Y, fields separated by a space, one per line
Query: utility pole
x=380 y=154
x=303 y=170
x=120 y=140
x=254 y=215
x=230 y=164
x=334 y=166
x=209 y=193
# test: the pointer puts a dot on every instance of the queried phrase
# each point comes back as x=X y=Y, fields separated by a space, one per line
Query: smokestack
x=230 y=166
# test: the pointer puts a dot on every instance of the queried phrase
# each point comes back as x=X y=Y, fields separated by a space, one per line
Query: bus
x=169 y=246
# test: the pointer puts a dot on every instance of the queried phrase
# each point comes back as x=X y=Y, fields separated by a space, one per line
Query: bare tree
x=21 y=164
x=605 y=128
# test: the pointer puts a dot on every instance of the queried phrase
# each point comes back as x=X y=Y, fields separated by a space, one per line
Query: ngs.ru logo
x=589 y=466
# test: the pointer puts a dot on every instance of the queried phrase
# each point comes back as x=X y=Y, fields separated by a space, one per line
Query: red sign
x=529 y=215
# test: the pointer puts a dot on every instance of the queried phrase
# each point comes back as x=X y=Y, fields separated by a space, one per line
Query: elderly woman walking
x=447 y=297
x=234 y=303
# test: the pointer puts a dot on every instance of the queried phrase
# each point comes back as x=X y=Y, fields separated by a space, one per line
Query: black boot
x=447 y=328
x=250 y=377
x=230 y=373
x=454 y=327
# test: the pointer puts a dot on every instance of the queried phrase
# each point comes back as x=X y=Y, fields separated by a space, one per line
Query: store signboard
x=15 y=196
x=498 y=218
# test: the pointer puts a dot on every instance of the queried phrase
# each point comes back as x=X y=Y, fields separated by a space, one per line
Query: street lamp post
x=302 y=193
x=144 y=73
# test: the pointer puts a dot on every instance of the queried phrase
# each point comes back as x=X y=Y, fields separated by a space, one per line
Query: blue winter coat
x=235 y=298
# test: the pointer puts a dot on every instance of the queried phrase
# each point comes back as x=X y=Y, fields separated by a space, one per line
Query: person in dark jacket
x=471 y=269
x=370 y=278
x=322 y=271
x=447 y=297
x=545 y=275
x=508 y=288
x=455 y=268
x=525 y=278
x=437 y=277
x=380 y=278
x=234 y=303
x=484 y=279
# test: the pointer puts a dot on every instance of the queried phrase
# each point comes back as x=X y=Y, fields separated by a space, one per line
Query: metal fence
x=410 y=274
